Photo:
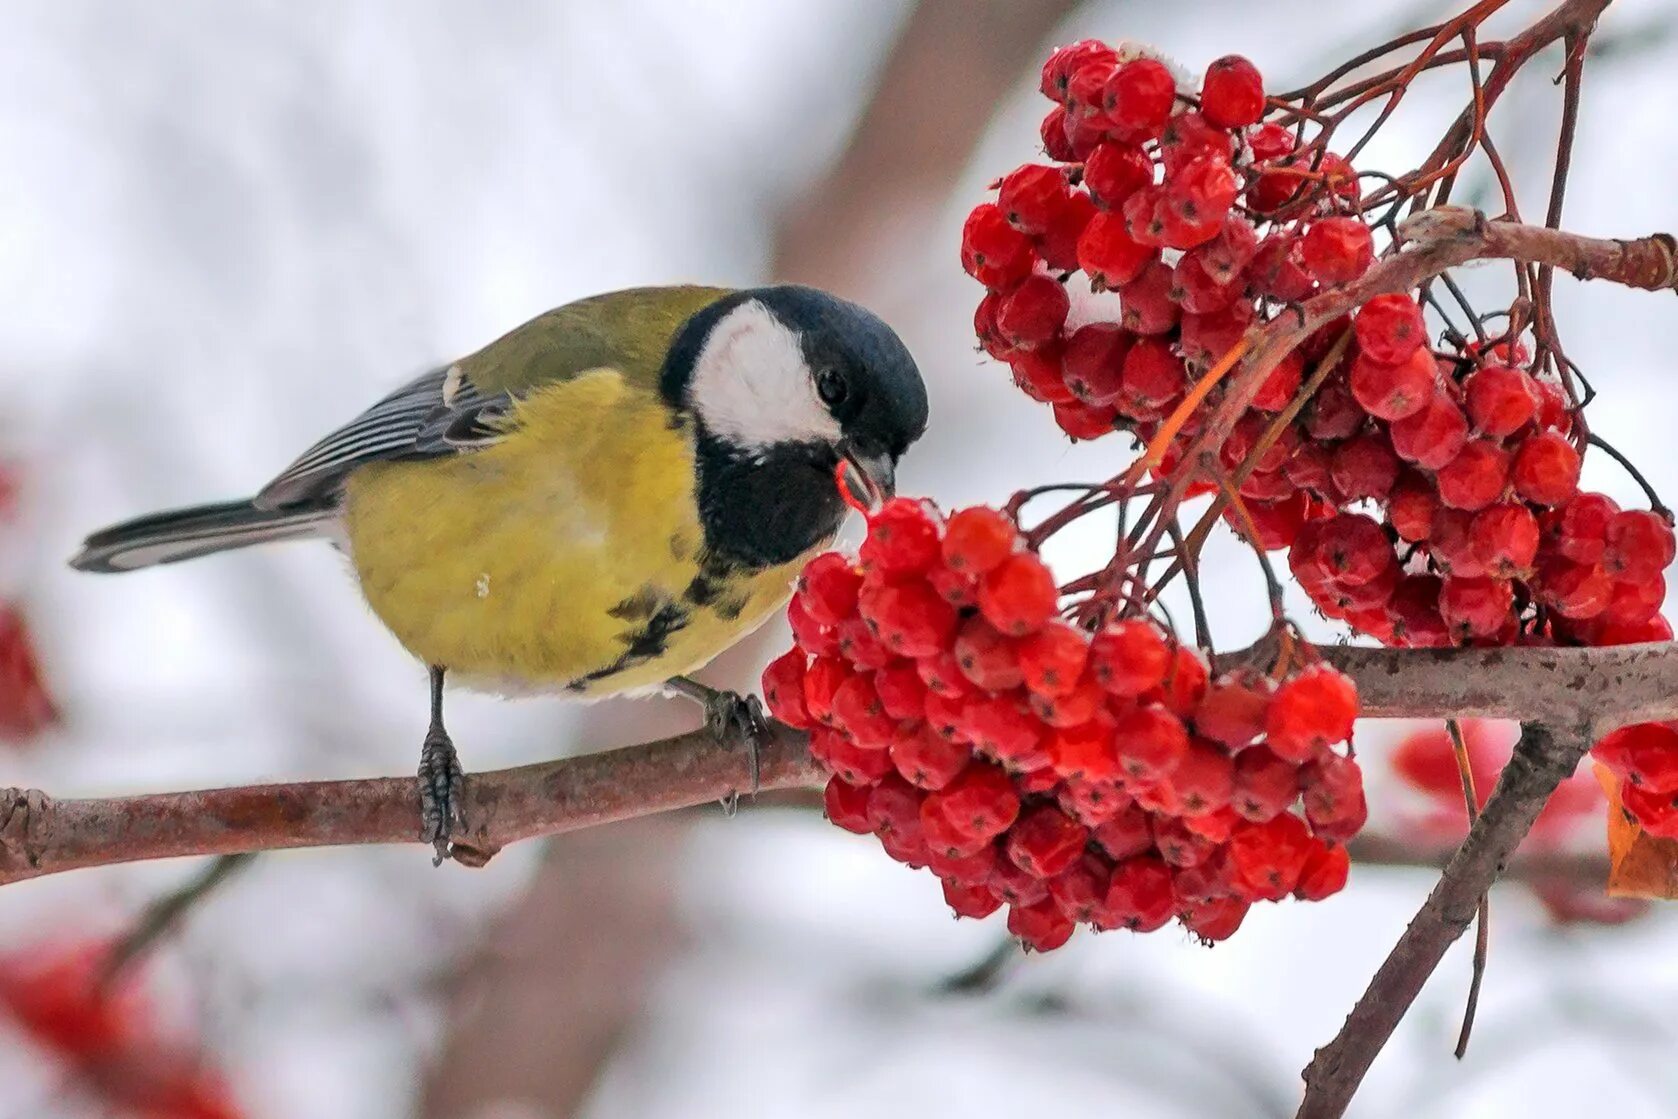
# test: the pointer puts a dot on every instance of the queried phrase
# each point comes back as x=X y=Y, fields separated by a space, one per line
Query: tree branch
x=39 y=835
x=1542 y=759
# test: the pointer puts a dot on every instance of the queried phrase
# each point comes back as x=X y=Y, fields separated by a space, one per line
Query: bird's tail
x=180 y=534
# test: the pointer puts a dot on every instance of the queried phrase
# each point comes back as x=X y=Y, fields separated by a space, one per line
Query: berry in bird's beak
x=866 y=481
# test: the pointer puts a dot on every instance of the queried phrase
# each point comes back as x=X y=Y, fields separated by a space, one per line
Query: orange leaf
x=1640 y=865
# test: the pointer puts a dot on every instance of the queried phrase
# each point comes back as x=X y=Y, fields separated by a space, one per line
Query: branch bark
x=1599 y=688
x=1543 y=758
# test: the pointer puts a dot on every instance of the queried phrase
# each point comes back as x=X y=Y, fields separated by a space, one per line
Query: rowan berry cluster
x=1200 y=219
x=1425 y=497
x=108 y=1036
x=1078 y=778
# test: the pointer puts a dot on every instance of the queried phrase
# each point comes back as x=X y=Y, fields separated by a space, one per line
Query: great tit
x=598 y=503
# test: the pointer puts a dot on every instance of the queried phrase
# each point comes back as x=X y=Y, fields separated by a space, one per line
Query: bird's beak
x=867 y=478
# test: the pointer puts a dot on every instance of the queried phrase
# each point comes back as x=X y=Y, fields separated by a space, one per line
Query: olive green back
x=625 y=330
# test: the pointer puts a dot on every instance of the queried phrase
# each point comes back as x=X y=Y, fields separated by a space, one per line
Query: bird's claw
x=737 y=719
x=442 y=793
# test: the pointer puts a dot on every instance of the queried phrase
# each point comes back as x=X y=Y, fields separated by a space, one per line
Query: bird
x=595 y=504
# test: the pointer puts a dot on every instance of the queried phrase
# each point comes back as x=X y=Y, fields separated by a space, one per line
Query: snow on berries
x=1078 y=777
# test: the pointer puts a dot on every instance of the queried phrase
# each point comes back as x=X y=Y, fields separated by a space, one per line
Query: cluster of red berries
x=1076 y=777
x=108 y=1036
x=1425 y=761
x=1198 y=218
x=1425 y=498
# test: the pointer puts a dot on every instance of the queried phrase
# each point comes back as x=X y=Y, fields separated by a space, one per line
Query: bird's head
x=784 y=384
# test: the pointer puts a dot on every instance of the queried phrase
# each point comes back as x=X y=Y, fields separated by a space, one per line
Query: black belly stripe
x=641 y=645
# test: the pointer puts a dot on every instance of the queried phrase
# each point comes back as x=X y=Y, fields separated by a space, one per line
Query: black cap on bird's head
x=786 y=383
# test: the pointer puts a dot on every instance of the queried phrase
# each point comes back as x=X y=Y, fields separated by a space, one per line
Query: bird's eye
x=831 y=387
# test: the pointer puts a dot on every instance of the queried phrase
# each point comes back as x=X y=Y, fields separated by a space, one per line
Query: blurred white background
x=226 y=227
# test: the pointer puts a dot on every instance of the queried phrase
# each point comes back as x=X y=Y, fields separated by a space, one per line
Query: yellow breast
x=569 y=554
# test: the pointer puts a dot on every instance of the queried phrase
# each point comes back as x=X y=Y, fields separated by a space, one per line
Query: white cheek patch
x=752 y=387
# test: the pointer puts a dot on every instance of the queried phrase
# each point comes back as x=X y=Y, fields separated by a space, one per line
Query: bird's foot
x=442 y=793
x=734 y=720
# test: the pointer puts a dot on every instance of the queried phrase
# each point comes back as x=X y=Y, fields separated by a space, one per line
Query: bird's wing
x=437 y=413
x=469 y=405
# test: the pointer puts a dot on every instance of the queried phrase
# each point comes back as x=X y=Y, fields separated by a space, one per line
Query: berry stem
x=1612 y=452
x=1482 y=930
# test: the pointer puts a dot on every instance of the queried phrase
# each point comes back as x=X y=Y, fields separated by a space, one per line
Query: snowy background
x=226 y=227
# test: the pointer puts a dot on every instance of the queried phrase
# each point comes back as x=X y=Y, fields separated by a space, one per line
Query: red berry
x=910 y=618
x=1311 y=710
x=847 y=805
x=828 y=586
x=1353 y=549
x=1140 y=95
x=857 y=764
x=1196 y=289
x=1058 y=244
x=1114 y=171
x=1146 y=303
x=1325 y=873
x=1337 y=250
x=1065 y=61
x=1333 y=798
x=1056 y=133
x=1200 y=194
x=1204 y=780
x=1500 y=400
x=1151 y=742
x=1268 y=859
x=1152 y=373
x=1364 y=466
x=1052 y=659
x=822 y=680
x=1393 y=392
x=902 y=538
x=1109 y=255
x=926 y=759
x=783 y=689
x=1582 y=529
x=1126 y=834
x=1411 y=507
x=1190 y=136
x=1546 y=469
x=1077 y=705
x=1232 y=94
x=1031 y=195
x=1432 y=436
x=1093 y=361
x=858 y=645
x=1233 y=710
x=1390 y=329
x=1086 y=421
x=1638 y=545
x=1002 y=728
x=1039 y=374
x=1139 y=894
x=978 y=538
x=976 y=901
x=986 y=657
x=1080 y=891
x=1084 y=751
x=992 y=251
x=1643 y=754
x=1206 y=338
x=1033 y=313
x=1505 y=539
x=901 y=691
x=1041 y=926
x=810 y=635
x=1477 y=607
x=1019 y=595
x=1215 y=919
x=1265 y=784
x=1128 y=658
x=1635 y=603
x=980 y=802
x=1280 y=385
x=1476 y=477
x=1575 y=590
x=1045 y=841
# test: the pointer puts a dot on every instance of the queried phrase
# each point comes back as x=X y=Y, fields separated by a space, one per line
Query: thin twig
x=1482 y=922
